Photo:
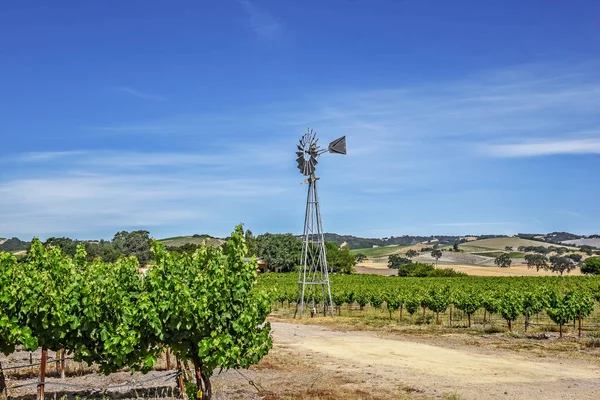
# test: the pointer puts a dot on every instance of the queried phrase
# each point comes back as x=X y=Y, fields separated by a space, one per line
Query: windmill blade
x=299 y=153
x=338 y=146
x=313 y=162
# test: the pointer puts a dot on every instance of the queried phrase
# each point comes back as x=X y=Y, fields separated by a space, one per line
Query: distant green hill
x=14 y=244
x=379 y=252
x=178 y=241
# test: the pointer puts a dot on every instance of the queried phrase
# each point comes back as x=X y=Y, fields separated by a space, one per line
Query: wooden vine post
x=579 y=318
x=168 y=356
x=3 y=388
x=60 y=363
x=40 y=391
x=180 y=379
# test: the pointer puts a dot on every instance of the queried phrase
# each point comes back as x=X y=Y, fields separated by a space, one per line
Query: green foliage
x=136 y=243
x=204 y=305
x=561 y=264
x=422 y=270
x=510 y=306
x=339 y=260
x=13 y=329
x=560 y=309
x=251 y=243
x=396 y=260
x=503 y=260
x=411 y=253
x=360 y=257
x=185 y=248
x=14 y=244
x=436 y=253
x=575 y=257
x=591 y=266
x=208 y=308
x=280 y=251
x=589 y=250
x=468 y=302
x=537 y=261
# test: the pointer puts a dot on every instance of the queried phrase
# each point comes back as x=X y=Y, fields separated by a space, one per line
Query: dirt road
x=435 y=371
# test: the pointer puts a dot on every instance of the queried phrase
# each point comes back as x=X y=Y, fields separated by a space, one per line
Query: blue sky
x=182 y=117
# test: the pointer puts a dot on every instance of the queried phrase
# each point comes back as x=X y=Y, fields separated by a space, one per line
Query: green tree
x=395 y=261
x=210 y=311
x=455 y=247
x=575 y=257
x=411 y=253
x=360 y=257
x=589 y=250
x=437 y=254
x=508 y=248
x=503 y=260
x=339 y=260
x=561 y=264
x=537 y=261
x=282 y=252
x=136 y=243
x=251 y=243
x=66 y=245
x=103 y=250
x=591 y=266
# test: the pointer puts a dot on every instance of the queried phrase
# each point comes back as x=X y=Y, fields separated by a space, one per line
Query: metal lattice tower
x=313 y=277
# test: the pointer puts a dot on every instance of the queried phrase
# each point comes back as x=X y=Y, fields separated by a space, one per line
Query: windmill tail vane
x=313 y=276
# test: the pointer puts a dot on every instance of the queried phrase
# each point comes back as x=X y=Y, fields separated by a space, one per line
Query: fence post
x=62 y=363
x=40 y=389
x=180 y=379
x=168 y=356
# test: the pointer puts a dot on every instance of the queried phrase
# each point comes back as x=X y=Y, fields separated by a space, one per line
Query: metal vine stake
x=314 y=272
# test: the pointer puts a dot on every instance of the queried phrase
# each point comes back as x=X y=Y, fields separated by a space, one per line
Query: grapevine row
x=563 y=299
x=203 y=306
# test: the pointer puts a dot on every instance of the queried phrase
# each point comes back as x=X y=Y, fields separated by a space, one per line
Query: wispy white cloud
x=262 y=23
x=72 y=202
x=234 y=157
x=141 y=95
x=459 y=224
x=571 y=213
x=545 y=148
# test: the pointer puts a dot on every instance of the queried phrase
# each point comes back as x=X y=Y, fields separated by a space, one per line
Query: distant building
x=261 y=265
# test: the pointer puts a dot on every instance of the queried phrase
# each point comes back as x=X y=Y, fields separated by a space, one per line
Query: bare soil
x=311 y=361
x=434 y=370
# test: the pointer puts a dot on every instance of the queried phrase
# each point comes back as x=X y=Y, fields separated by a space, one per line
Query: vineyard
x=547 y=303
x=203 y=308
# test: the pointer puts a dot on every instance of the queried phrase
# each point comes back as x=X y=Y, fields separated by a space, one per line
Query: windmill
x=313 y=277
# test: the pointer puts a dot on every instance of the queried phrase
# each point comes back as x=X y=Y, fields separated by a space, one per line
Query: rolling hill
x=177 y=241
x=501 y=243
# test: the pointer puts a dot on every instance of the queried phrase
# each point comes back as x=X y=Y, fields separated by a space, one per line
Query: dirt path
x=431 y=370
